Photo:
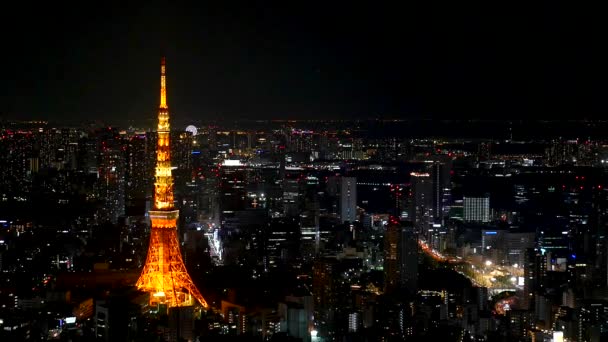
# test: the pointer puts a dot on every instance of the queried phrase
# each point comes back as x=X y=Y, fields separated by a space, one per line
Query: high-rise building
x=593 y=321
x=477 y=209
x=535 y=272
x=323 y=287
x=421 y=212
x=111 y=173
x=291 y=195
x=282 y=241
x=309 y=219
x=494 y=245
x=517 y=244
x=348 y=199
x=182 y=150
x=233 y=181
x=15 y=152
x=408 y=259
x=343 y=192
x=400 y=257
x=441 y=183
x=391 y=256
x=87 y=155
x=332 y=280
x=138 y=174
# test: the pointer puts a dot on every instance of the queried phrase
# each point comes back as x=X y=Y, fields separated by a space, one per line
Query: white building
x=477 y=209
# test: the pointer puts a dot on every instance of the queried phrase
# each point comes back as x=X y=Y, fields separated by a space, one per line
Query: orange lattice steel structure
x=164 y=275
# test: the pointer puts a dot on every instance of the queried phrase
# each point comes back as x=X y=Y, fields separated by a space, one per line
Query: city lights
x=329 y=173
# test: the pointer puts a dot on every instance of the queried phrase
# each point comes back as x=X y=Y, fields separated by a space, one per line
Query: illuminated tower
x=164 y=275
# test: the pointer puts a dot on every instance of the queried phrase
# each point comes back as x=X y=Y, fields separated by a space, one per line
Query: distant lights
x=420 y=174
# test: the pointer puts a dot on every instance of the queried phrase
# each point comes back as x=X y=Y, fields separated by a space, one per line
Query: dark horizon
x=449 y=61
x=508 y=131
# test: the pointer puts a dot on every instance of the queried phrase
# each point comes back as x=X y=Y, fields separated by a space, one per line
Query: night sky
x=332 y=59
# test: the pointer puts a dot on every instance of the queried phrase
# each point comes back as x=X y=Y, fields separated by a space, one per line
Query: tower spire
x=163 y=84
x=163 y=194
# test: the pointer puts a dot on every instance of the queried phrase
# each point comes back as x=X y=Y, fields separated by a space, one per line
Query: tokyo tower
x=164 y=275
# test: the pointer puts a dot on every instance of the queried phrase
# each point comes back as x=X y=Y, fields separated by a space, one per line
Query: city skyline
x=305 y=230
x=270 y=62
x=316 y=173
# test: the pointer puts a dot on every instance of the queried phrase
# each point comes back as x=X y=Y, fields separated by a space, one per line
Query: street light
x=488 y=263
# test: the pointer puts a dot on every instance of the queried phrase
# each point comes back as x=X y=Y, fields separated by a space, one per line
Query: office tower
x=408 y=258
x=111 y=173
x=164 y=275
x=477 y=209
x=291 y=195
x=233 y=181
x=15 y=150
x=348 y=199
x=517 y=244
x=138 y=174
x=400 y=257
x=422 y=192
x=440 y=174
x=323 y=288
x=391 y=256
x=494 y=245
x=309 y=219
x=282 y=241
x=535 y=272
x=592 y=321
x=181 y=150
x=87 y=155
